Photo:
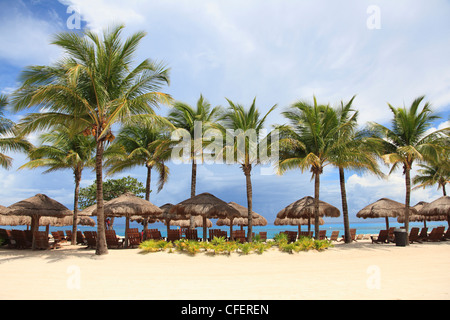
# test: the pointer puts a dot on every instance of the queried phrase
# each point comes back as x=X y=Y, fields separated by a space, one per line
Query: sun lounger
x=436 y=234
x=414 y=235
x=80 y=238
x=41 y=241
x=383 y=237
x=352 y=235
x=152 y=234
x=263 y=236
x=4 y=237
x=305 y=234
x=334 y=235
x=134 y=239
x=292 y=236
x=21 y=240
x=91 y=239
x=112 y=241
x=173 y=235
x=239 y=236
x=322 y=234
x=391 y=237
x=191 y=234
x=57 y=237
x=423 y=234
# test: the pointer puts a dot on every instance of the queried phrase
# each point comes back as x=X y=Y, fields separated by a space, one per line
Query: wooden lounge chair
x=112 y=241
x=292 y=236
x=383 y=237
x=239 y=236
x=322 y=234
x=305 y=234
x=41 y=241
x=191 y=234
x=423 y=235
x=173 y=235
x=391 y=237
x=436 y=234
x=21 y=240
x=80 y=238
x=134 y=239
x=215 y=233
x=263 y=236
x=152 y=234
x=4 y=238
x=57 y=237
x=91 y=239
x=334 y=235
x=352 y=235
x=414 y=235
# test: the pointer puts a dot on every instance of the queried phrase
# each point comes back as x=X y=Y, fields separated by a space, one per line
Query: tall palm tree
x=351 y=150
x=434 y=173
x=8 y=140
x=65 y=150
x=308 y=142
x=93 y=87
x=246 y=125
x=407 y=141
x=184 y=116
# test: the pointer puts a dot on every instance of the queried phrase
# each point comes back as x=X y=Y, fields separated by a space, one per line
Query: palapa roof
x=9 y=220
x=296 y=222
x=304 y=208
x=127 y=205
x=39 y=205
x=205 y=204
x=242 y=220
x=383 y=208
x=184 y=223
x=440 y=206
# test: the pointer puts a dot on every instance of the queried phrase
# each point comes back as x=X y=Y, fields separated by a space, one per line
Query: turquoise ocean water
x=364 y=227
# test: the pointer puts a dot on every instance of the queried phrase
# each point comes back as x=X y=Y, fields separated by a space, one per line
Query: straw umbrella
x=185 y=223
x=128 y=205
x=207 y=206
x=296 y=222
x=304 y=208
x=384 y=208
x=36 y=207
x=438 y=207
x=242 y=220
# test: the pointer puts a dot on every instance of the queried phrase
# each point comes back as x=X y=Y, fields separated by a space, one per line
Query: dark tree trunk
x=193 y=186
x=347 y=235
x=408 y=197
x=101 y=236
x=77 y=174
x=316 y=204
x=248 y=179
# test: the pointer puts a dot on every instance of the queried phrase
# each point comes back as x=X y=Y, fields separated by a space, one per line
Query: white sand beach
x=357 y=271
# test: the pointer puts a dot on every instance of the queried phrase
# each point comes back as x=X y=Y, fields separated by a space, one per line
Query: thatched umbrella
x=184 y=223
x=207 y=206
x=384 y=208
x=242 y=220
x=36 y=207
x=128 y=205
x=296 y=222
x=304 y=208
x=438 y=207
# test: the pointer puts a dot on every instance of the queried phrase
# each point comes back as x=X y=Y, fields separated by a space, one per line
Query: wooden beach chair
x=423 y=235
x=134 y=239
x=322 y=234
x=41 y=241
x=292 y=236
x=352 y=235
x=191 y=234
x=91 y=239
x=263 y=236
x=446 y=235
x=112 y=241
x=4 y=237
x=152 y=234
x=414 y=235
x=173 y=235
x=21 y=239
x=80 y=238
x=57 y=237
x=12 y=242
x=305 y=234
x=239 y=236
x=334 y=235
x=391 y=237
x=436 y=234
x=383 y=237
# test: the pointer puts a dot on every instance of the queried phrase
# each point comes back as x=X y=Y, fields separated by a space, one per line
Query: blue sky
x=278 y=51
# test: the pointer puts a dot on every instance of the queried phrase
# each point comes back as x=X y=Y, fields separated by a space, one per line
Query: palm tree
x=65 y=150
x=184 y=116
x=351 y=150
x=93 y=87
x=8 y=142
x=408 y=141
x=246 y=125
x=434 y=173
x=308 y=143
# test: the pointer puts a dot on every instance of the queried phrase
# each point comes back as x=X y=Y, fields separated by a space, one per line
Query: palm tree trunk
x=193 y=185
x=75 y=205
x=316 y=204
x=147 y=193
x=443 y=190
x=247 y=171
x=347 y=235
x=408 y=196
x=101 y=236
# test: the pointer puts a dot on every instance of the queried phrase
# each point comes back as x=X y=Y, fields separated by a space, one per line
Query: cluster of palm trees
x=97 y=87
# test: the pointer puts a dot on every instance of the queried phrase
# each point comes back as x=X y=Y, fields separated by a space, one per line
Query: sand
x=357 y=271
